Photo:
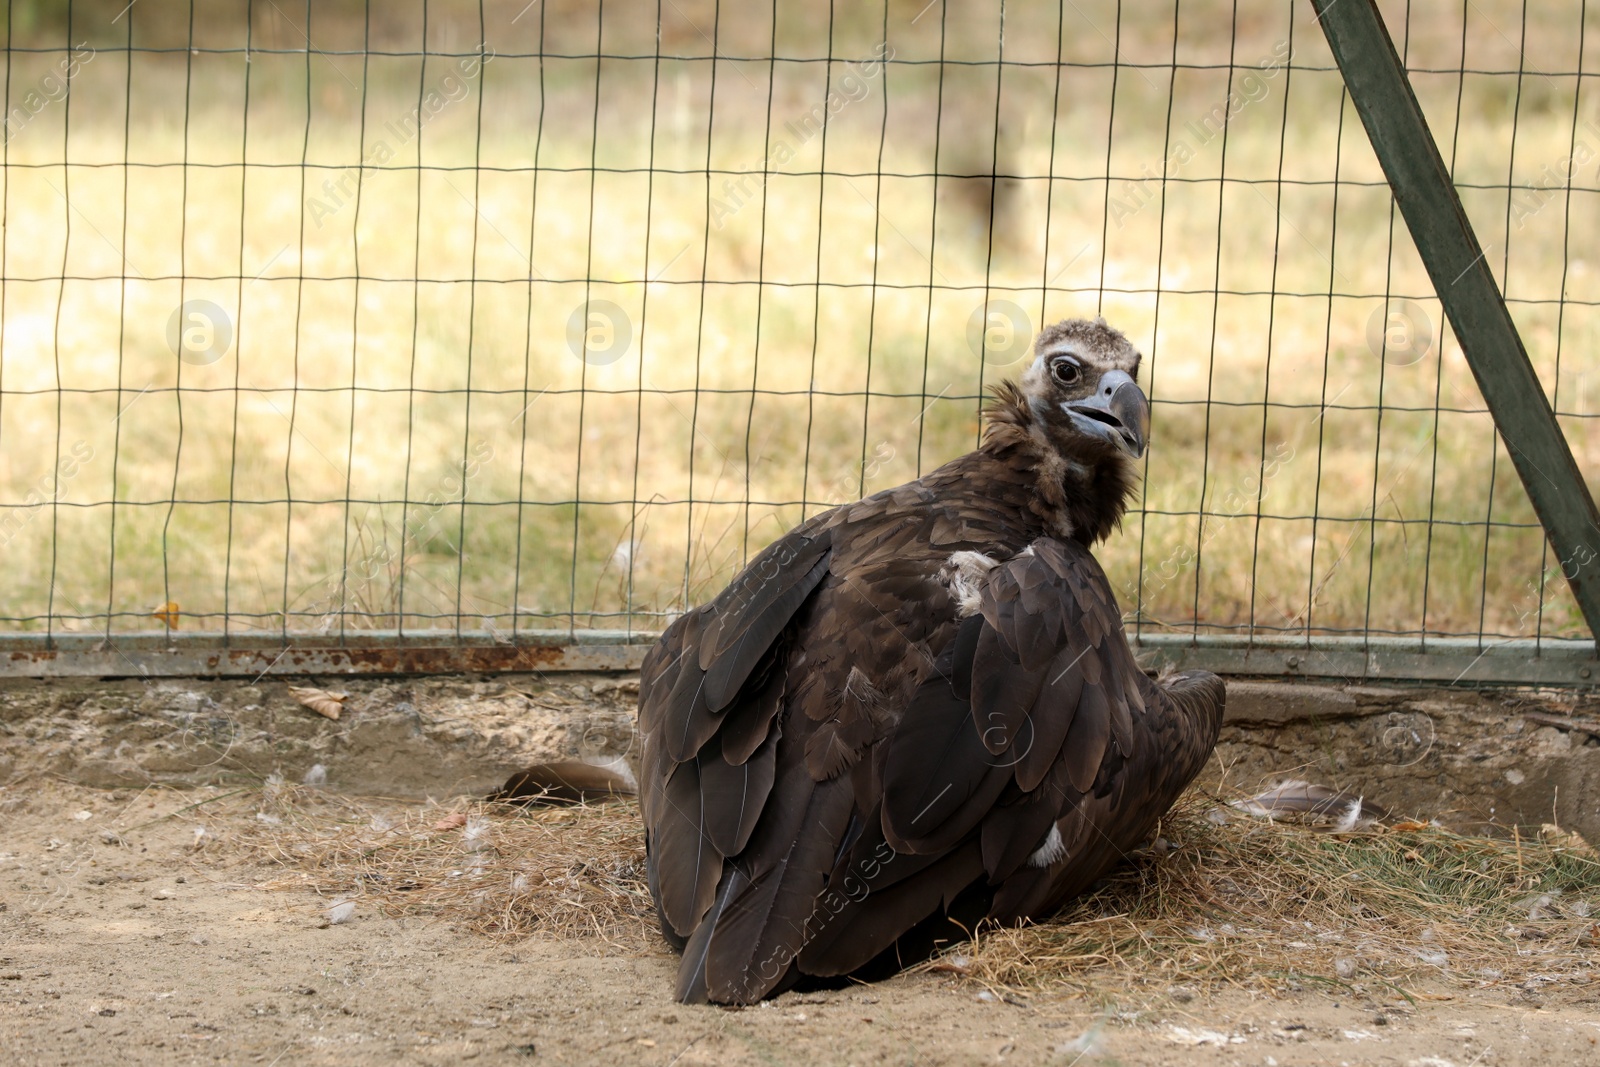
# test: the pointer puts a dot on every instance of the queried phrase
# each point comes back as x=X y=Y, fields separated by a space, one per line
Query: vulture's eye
x=1066 y=372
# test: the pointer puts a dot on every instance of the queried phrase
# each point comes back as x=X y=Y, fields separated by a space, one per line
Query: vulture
x=919 y=711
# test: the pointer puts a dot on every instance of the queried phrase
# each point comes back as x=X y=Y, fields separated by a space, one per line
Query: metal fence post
x=1466 y=286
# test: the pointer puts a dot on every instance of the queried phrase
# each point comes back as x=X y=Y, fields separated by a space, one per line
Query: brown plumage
x=918 y=710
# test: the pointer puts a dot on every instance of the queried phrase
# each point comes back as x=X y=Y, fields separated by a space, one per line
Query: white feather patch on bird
x=1049 y=852
x=962 y=573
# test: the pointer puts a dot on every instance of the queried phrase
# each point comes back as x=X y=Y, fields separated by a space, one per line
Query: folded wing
x=709 y=759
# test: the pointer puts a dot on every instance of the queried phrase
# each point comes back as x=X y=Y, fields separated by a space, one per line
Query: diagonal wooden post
x=1466 y=286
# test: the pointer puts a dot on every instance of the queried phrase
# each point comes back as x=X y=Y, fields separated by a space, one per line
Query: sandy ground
x=120 y=941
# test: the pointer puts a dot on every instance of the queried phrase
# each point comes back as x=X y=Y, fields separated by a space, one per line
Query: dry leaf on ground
x=320 y=700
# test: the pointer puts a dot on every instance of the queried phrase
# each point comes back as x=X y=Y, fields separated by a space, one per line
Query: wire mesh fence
x=450 y=316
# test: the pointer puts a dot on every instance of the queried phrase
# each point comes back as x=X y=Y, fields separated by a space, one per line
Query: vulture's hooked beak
x=1118 y=412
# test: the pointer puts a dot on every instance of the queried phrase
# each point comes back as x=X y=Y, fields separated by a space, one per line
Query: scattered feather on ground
x=1346 y=811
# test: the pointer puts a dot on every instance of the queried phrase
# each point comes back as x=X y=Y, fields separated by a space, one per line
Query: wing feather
x=690 y=723
x=1085 y=747
x=1003 y=692
x=691 y=987
x=734 y=794
x=689 y=866
x=1016 y=828
x=750 y=723
x=762 y=928
x=937 y=770
x=1061 y=692
x=845 y=940
x=733 y=664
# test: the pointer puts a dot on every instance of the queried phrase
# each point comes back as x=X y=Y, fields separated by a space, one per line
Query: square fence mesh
x=449 y=316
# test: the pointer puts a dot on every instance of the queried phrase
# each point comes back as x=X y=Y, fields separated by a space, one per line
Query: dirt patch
x=416 y=737
x=119 y=938
x=162 y=924
x=1473 y=761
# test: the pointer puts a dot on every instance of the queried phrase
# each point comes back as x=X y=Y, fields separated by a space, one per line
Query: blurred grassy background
x=400 y=330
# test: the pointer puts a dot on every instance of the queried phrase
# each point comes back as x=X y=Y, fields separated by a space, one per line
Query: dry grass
x=348 y=396
x=1258 y=904
x=501 y=870
x=1234 y=901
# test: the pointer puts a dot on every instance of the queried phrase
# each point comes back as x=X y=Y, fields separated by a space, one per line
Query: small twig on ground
x=1563 y=722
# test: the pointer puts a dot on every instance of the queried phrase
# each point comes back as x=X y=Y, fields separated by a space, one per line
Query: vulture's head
x=1083 y=393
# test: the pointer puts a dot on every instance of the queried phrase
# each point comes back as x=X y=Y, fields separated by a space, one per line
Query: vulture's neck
x=1078 y=497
